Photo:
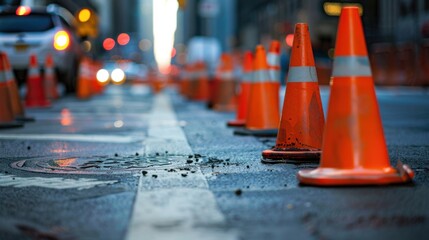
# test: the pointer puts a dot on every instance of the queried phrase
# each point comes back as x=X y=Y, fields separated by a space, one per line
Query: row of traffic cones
x=12 y=112
x=351 y=147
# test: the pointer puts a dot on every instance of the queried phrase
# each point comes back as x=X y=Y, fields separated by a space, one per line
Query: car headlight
x=61 y=40
x=102 y=76
x=118 y=76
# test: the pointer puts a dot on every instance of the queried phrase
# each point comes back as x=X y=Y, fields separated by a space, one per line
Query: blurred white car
x=40 y=30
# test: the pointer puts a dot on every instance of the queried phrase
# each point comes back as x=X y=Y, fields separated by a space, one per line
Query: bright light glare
x=118 y=76
x=84 y=15
x=164 y=27
x=118 y=124
x=289 y=40
x=61 y=40
x=102 y=75
x=23 y=10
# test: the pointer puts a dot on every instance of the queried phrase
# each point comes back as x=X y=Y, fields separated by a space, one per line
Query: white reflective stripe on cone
x=226 y=76
x=273 y=59
x=302 y=74
x=2 y=77
x=351 y=66
x=274 y=75
x=247 y=77
x=261 y=76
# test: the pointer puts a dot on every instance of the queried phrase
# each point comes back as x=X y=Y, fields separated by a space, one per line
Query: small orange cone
x=35 y=88
x=50 y=78
x=225 y=93
x=273 y=60
x=301 y=127
x=263 y=113
x=243 y=97
x=7 y=119
x=202 y=82
x=16 y=103
x=84 y=81
x=354 y=150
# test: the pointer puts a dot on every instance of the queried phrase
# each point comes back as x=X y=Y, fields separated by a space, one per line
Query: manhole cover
x=96 y=164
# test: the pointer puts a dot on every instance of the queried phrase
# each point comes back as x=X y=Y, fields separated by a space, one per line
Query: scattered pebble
x=156 y=154
x=184 y=175
x=154 y=176
x=193 y=171
x=197 y=155
x=116 y=155
x=247 y=166
x=137 y=153
x=190 y=156
x=238 y=192
x=144 y=173
x=189 y=161
x=28 y=147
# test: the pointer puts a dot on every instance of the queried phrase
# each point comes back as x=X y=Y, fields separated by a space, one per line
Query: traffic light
x=87 y=23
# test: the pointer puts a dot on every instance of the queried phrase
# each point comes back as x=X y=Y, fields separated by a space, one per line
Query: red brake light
x=61 y=40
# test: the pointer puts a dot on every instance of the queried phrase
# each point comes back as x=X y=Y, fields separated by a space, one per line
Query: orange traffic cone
x=202 y=82
x=354 y=150
x=50 y=78
x=16 y=103
x=243 y=98
x=84 y=81
x=273 y=60
x=35 y=88
x=225 y=92
x=301 y=127
x=263 y=113
x=7 y=119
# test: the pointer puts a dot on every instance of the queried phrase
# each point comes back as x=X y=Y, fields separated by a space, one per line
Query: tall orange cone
x=35 y=88
x=354 y=150
x=263 y=114
x=7 y=119
x=273 y=60
x=16 y=103
x=301 y=127
x=225 y=92
x=84 y=82
x=202 y=82
x=50 y=78
x=243 y=98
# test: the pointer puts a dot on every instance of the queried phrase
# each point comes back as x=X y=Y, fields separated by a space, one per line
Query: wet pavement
x=131 y=165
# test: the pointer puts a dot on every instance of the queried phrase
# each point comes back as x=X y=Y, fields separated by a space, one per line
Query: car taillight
x=23 y=10
x=61 y=40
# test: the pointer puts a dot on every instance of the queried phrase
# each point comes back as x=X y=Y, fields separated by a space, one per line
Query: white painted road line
x=171 y=206
x=71 y=137
x=54 y=183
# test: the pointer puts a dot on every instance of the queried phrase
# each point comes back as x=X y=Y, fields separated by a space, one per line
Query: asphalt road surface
x=132 y=165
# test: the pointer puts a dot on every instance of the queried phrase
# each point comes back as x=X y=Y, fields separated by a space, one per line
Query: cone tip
x=33 y=60
x=260 y=58
x=275 y=47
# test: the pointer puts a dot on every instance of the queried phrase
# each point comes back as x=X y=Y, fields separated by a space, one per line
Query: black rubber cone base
x=256 y=133
x=11 y=125
x=25 y=119
x=293 y=157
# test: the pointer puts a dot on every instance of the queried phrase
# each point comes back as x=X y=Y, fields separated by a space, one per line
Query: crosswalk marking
x=171 y=206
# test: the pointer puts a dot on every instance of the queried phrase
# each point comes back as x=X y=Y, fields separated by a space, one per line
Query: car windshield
x=29 y=23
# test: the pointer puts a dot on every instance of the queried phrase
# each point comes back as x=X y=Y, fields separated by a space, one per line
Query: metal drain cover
x=96 y=164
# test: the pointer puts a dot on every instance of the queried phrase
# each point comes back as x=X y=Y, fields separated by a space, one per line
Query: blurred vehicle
x=39 y=31
x=117 y=72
